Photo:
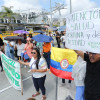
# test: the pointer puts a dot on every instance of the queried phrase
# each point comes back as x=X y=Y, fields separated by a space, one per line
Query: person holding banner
x=92 y=81
x=12 y=45
x=38 y=68
x=20 y=48
x=1 y=49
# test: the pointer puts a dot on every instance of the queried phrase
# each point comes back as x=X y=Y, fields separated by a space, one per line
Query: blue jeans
x=79 y=93
x=63 y=44
x=12 y=53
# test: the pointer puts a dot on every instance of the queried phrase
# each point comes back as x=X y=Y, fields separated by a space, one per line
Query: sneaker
x=25 y=66
x=62 y=84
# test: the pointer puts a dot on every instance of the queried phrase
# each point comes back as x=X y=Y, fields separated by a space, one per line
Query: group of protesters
x=38 y=59
x=86 y=70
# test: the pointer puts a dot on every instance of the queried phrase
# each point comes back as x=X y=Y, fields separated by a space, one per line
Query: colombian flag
x=62 y=61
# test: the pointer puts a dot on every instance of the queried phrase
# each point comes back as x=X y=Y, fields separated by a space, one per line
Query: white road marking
x=2 y=90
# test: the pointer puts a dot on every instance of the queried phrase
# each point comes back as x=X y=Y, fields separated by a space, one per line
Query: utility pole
x=70 y=6
x=51 y=14
x=59 y=7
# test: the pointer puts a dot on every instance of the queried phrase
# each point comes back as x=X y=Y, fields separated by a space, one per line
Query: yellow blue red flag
x=62 y=61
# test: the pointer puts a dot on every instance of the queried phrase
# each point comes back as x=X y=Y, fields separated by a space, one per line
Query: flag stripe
x=58 y=54
x=62 y=61
x=56 y=65
x=61 y=74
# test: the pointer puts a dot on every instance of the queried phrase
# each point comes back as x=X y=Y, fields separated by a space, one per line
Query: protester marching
x=71 y=55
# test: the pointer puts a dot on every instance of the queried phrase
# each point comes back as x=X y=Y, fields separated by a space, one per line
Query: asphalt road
x=28 y=87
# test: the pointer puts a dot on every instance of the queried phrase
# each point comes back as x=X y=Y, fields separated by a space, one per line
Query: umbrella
x=21 y=32
x=42 y=38
x=62 y=28
x=38 y=31
x=13 y=38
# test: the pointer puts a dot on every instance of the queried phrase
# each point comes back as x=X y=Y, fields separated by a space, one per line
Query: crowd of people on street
x=86 y=70
x=38 y=58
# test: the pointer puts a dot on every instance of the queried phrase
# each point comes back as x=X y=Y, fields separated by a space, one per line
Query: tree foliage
x=7 y=13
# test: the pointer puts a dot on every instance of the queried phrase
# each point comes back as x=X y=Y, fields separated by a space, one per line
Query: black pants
x=58 y=45
x=1 y=64
x=63 y=81
x=89 y=96
x=39 y=83
x=46 y=55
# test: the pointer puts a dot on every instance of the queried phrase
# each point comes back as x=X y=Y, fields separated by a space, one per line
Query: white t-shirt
x=20 y=48
x=63 y=38
x=12 y=43
x=42 y=65
x=79 y=70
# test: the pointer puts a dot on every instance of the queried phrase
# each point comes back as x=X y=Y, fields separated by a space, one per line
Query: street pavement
x=28 y=88
x=66 y=90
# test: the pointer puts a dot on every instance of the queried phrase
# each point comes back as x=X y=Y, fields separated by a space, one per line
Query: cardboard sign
x=83 y=30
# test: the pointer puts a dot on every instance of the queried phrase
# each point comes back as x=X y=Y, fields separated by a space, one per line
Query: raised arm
x=24 y=63
x=39 y=70
x=80 y=53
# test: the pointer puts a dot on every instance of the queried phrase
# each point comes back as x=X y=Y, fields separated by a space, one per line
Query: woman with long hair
x=38 y=68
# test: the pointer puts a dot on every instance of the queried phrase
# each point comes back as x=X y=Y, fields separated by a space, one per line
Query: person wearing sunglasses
x=92 y=81
x=38 y=67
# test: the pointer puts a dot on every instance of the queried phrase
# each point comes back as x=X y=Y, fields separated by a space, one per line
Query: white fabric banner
x=12 y=71
x=83 y=30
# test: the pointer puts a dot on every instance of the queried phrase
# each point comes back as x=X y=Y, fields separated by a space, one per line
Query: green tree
x=9 y=14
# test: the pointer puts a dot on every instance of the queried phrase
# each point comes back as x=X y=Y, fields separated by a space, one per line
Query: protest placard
x=83 y=30
x=12 y=71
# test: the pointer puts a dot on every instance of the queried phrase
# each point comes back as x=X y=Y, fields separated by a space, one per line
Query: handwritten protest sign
x=12 y=71
x=83 y=30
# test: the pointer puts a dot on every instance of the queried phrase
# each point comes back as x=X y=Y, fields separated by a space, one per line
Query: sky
x=77 y=5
